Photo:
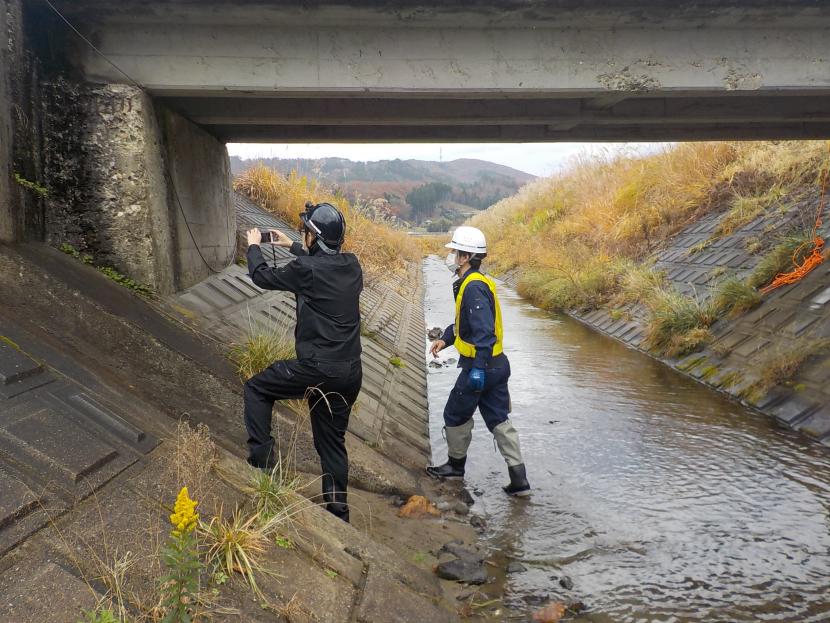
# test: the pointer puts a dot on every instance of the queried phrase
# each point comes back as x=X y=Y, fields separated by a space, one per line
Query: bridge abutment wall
x=105 y=168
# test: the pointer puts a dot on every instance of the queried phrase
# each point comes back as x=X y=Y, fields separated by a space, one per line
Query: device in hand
x=268 y=237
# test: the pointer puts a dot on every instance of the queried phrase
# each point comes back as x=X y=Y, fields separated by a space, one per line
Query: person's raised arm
x=291 y=277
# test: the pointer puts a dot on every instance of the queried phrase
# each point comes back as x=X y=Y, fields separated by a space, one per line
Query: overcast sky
x=535 y=158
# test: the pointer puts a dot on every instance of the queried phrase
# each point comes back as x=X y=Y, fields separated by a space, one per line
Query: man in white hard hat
x=482 y=383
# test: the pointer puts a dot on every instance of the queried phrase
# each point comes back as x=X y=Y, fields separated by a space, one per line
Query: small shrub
x=261 y=348
x=734 y=297
x=397 y=362
x=782 y=258
x=677 y=324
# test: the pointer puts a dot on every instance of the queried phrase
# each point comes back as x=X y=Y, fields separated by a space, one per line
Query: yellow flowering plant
x=180 y=585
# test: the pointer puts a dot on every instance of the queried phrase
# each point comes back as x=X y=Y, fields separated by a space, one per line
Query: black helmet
x=327 y=223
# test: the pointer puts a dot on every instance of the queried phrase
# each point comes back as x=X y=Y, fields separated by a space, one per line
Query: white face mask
x=451 y=262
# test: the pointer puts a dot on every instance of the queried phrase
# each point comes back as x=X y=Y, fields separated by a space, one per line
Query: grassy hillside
x=583 y=238
x=474 y=184
x=384 y=252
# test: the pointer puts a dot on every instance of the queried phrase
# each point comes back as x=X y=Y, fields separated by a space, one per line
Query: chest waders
x=492 y=401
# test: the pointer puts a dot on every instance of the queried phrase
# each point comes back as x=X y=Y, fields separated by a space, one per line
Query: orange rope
x=816 y=256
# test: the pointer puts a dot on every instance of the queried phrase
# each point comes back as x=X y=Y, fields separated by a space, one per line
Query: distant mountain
x=448 y=191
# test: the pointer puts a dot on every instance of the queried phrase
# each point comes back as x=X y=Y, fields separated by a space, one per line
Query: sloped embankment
x=93 y=384
x=669 y=254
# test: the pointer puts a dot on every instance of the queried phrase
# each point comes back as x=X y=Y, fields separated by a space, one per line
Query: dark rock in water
x=451 y=361
x=577 y=607
x=443 y=505
x=461 y=508
x=434 y=333
x=535 y=600
x=466 y=594
x=457 y=549
x=435 y=364
x=478 y=492
x=478 y=522
x=515 y=567
x=466 y=497
x=566 y=582
x=398 y=501
x=458 y=570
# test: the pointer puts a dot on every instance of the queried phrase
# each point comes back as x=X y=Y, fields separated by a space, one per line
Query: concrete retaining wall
x=129 y=181
x=199 y=199
x=9 y=209
x=788 y=320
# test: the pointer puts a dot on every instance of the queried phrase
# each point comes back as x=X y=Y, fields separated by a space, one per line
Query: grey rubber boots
x=507 y=440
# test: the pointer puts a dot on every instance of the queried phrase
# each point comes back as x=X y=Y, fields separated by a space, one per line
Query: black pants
x=331 y=388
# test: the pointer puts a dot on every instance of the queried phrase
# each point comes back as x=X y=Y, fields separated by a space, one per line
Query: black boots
x=519 y=486
x=336 y=503
x=453 y=469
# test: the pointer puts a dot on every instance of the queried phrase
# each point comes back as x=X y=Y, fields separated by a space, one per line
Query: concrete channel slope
x=391 y=413
x=788 y=319
x=94 y=383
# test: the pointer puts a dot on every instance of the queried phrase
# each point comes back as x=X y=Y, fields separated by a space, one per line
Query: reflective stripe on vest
x=465 y=349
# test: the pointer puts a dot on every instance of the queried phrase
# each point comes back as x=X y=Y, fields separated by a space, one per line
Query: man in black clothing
x=327 y=370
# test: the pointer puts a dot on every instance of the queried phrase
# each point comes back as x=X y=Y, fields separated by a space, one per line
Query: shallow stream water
x=660 y=499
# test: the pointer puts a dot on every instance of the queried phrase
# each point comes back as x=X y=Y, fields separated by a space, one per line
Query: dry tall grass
x=382 y=251
x=573 y=236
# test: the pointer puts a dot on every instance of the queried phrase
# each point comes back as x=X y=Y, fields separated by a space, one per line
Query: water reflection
x=660 y=499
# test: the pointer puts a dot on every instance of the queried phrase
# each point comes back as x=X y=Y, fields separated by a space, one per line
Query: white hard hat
x=468 y=239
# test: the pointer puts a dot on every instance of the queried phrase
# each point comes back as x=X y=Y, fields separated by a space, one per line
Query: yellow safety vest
x=466 y=349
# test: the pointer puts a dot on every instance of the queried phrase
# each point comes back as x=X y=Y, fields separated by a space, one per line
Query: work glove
x=476 y=379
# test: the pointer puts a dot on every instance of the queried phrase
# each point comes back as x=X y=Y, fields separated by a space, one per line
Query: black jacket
x=327 y=289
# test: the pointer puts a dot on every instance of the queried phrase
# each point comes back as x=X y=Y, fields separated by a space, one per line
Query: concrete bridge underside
x=515 y=70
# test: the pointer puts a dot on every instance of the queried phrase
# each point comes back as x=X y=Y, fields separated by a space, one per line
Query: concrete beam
x=273 y=58
x=565 y=132
x=507 y=70
x=463 y=13
x=638 y=109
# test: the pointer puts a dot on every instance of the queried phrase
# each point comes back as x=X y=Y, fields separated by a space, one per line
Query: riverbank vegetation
x=583 y=238
x=384 y=252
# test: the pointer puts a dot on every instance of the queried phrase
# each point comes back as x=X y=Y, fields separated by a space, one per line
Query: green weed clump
x=781 y=366
x=109 y=271
x=260 y=348
x=99 y=615
x=745 y=208
x=677 y=324
x=397 y=362
x=235 y=545
x=35 y=187
x=639 y=283
x=273 y=491
x=787 y=254
x=733 y=297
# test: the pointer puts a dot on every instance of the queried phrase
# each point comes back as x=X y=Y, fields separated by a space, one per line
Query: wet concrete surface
x=658 y=498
